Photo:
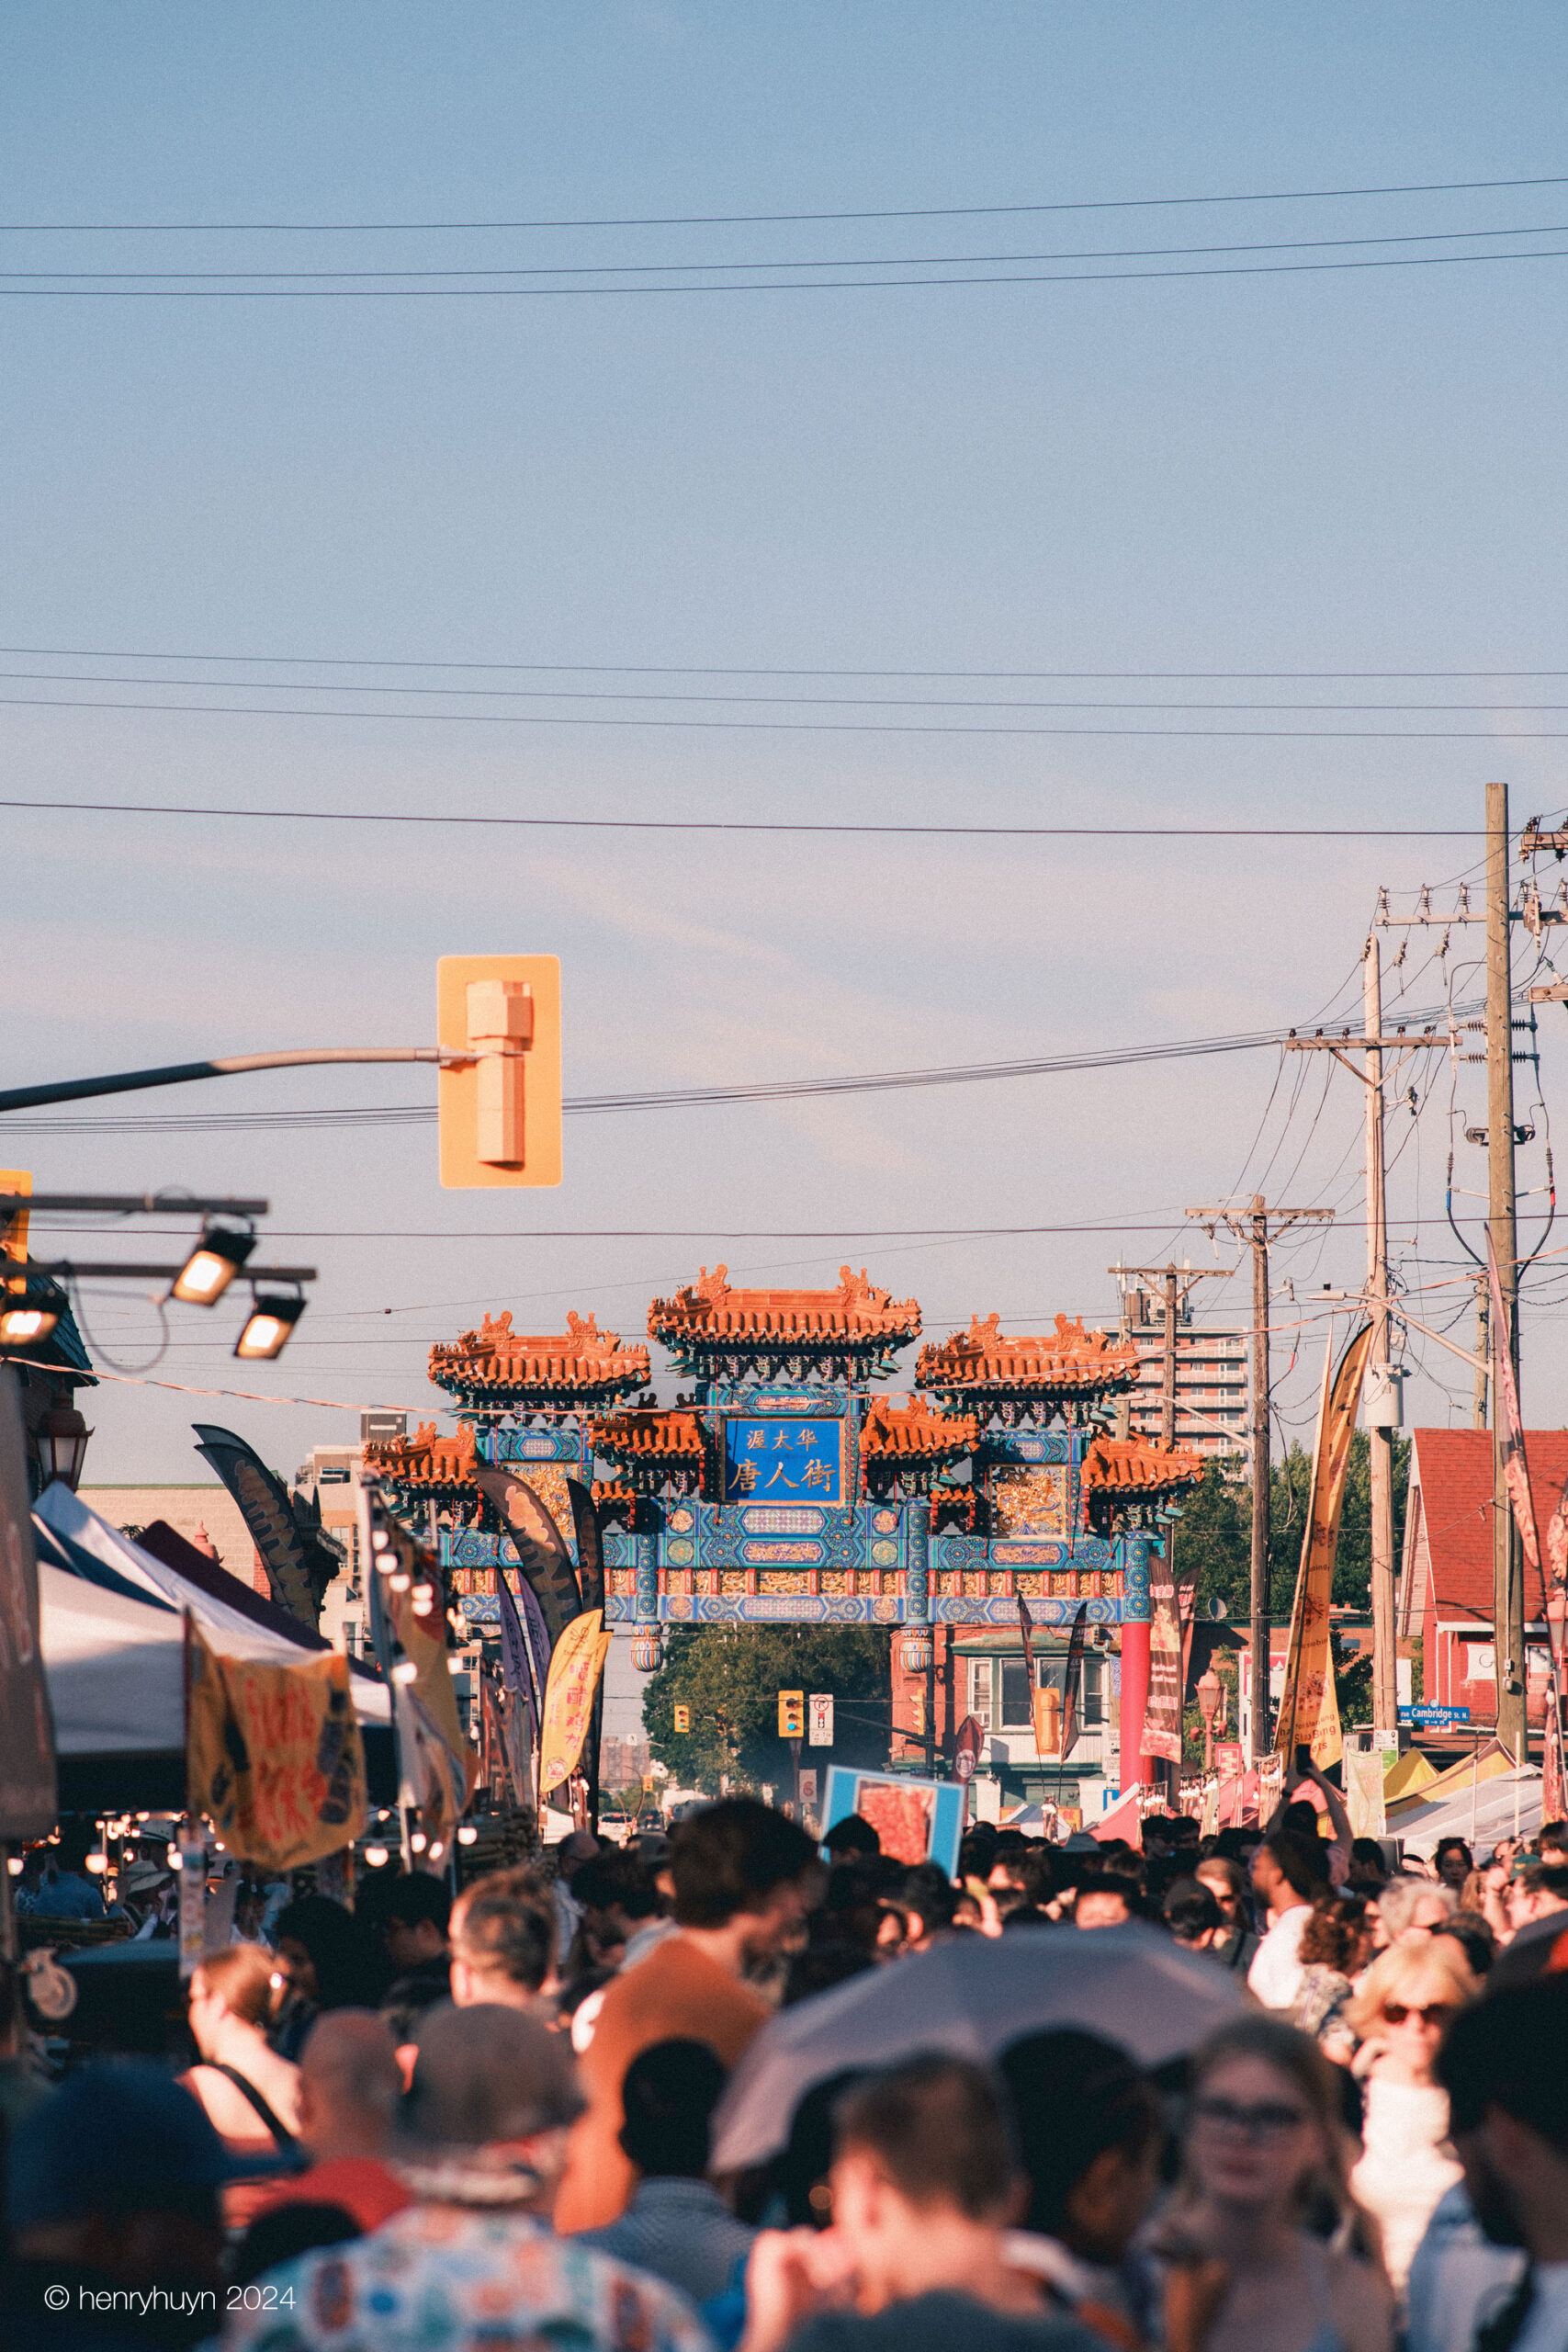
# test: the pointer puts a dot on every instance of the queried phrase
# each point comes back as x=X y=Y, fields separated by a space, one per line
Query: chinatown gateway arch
x=786 y=1487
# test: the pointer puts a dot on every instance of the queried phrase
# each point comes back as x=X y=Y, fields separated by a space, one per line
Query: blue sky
x=1345 y=472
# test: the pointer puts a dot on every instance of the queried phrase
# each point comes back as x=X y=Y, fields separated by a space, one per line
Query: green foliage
x=730 y=1677
x=1216 y=1522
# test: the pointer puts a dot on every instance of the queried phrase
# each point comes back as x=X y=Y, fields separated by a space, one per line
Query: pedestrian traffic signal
x=683 y=1719
x=791 y=1714
x=498 y=1094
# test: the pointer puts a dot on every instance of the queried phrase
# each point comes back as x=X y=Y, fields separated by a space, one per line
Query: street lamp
x=269 y=1325
x=62 y=1439
x=212 y=1264
x=1210 y=1690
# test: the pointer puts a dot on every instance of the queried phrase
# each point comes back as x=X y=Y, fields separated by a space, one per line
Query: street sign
x=683 y=1719
x=791 y=1714
x=1433 y=1718
x=499 y=1097
x=821 y=1734
x=809 y=1793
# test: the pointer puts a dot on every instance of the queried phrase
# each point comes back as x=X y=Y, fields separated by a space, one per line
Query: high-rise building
x=1212 y=1382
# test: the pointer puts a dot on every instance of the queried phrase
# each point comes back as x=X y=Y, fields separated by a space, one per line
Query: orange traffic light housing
x=499 y=1086
x=791 y=1714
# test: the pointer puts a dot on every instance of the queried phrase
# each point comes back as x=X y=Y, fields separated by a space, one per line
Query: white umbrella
x=973 y=1994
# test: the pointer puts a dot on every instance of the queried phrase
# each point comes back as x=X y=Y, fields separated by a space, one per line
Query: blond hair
x=1393 y=1973
x=241 y=1976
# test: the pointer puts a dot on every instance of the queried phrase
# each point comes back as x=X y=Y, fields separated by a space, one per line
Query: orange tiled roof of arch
x=1071 y=1358
x=708 y=1308
x=425 y=1459
x=645 y=1437
x=1121 y=1465
x=579 y=1357
x=915 y=1432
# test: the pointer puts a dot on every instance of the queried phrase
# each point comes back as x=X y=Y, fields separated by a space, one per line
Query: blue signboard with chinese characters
x=784 y=1462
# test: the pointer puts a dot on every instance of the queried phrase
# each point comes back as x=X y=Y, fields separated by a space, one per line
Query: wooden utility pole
x=1175 y=1283
x=1507 y=1578
x=1252 y=1227
x=1379 y=1441
x=1482 y=1341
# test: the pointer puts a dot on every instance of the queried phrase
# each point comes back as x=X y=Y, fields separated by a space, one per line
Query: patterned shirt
x=437 y=2278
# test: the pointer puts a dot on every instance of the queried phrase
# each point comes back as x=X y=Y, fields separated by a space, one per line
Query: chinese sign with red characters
x=784 y=1462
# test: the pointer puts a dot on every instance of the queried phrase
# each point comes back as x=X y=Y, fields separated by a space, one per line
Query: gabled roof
x=425 y=1460
x=856 y=1314
x=582 y=1358
x=649 y=1437
x=1449 y=1521
x=1135 y=1465
x=1069 y=1362
x=914 y=1433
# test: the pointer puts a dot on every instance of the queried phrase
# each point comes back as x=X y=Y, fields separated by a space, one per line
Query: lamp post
x=62 y=1439
x=1210 y=1693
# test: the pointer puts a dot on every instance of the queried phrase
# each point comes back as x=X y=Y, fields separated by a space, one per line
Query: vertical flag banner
x=1364 y=1770
x=590 y=1584
x=543 y=1559
x=1505 y=1389
x=1070 y=1678
x=1309 y=1706
x=273 y=1755
x=1162 y=1717
x=301 y=1562
x=569 y=1699
x=516 y=1664
x=437 y=1766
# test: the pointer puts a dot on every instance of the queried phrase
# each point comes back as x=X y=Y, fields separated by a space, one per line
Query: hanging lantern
x=648 y=1649
x=918 y=1654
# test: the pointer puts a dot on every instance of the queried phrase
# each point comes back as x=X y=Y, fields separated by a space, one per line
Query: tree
x=730 y=1677
x=1216 y=1526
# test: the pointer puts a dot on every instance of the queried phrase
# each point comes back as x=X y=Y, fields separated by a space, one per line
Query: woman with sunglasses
x=1405 y=2001
x=1252 y=2268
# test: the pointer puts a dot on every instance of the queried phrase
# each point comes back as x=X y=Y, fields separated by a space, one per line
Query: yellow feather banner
x=576 y=1663
x=1309 y=1708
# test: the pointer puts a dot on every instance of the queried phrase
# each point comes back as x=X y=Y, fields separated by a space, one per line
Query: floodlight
x=20 y=1326
x=269 y=1325
x=213 y=1265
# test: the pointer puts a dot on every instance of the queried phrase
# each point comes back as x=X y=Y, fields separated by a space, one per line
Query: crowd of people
x=489 y=2122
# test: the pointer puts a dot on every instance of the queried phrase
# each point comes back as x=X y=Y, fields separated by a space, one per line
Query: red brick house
x=1445 y=1588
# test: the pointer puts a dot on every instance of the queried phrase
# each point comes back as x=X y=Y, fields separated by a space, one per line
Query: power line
x=750 y=220
x=447 y=821
x=819 y=701
x=721 y=670
x=859 y=261
x=798 y=726
x=740 y=286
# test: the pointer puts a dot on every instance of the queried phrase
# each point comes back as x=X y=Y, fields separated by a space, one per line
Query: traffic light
x=683 y=1719
x=500 y=1097
x=791 y=1714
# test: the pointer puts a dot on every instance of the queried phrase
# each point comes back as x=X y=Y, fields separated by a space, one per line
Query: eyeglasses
x=1270 y=2120
x=1396 y=2012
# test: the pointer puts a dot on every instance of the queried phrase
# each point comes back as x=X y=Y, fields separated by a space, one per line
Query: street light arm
x=131 y=1081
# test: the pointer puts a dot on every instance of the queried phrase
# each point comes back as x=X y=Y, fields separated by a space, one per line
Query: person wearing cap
x=473 y=2263
x=111 y=2204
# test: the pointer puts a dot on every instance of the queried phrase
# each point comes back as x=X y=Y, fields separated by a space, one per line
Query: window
x=333 y=1477
x=980 y=1691
x=1093 y=1710
x=1018 y=1713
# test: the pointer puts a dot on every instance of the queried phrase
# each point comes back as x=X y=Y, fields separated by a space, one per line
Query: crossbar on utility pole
x=1252 y=1226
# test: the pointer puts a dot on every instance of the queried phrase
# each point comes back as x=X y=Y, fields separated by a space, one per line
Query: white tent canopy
x=1502 y=1808
x=115 y=1668
x=229 y=1631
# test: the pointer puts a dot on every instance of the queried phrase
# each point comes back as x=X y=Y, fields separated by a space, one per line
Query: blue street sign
x=1433 y=1718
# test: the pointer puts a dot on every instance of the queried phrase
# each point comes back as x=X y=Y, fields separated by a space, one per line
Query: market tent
x=1413 y=1773
x=1499 y=1804
x=1485 y=1762
x=101 y=1554
x=115 y=1668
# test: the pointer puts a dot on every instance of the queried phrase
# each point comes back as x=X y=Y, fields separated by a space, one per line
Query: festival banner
x=1309 y=1704
x=301 y=1561
x=517 y=1665
x=543 y=1559
x=437 y=1766
x=590 y=1584
x=1070 y=1678
x=1162 y=1717
x=273 y=1754
x=1505 y=1396
x=1364 y=1769
x=568 y=1698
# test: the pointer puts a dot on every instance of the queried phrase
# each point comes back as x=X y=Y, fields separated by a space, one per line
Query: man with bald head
x=350 y=2083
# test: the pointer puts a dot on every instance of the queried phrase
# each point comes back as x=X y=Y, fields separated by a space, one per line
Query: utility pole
x=1379 y=1441
x=1508 y=1579
x=1252 y=1227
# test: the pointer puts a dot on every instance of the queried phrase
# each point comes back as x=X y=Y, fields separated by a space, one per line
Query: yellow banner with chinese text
x=273 y=1755
x=575 y=1667
x=1309 y=1708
